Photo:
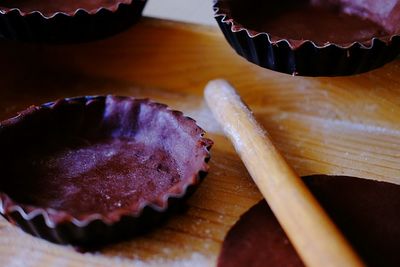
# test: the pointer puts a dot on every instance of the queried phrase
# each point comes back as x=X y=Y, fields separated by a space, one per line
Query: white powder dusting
x=234 y=128
x=382 y=8
x=194 y=260
x=328 y=124
x=204 y=118
x=19 y=259
x=366 y=128
x=235 y=117
x=27 y=251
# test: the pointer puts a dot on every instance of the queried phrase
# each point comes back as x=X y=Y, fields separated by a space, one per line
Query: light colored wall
x=195 y=11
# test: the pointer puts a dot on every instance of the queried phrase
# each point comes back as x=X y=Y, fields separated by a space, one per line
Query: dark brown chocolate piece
x=49 y=7
x=98 y=176
x=367 y=212
x=305 y=23
x=257 y=240
x=339 y=22
x=80 y=160
x=312 y=37
x=56 y=21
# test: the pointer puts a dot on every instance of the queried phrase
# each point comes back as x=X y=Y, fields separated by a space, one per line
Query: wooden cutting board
x=345 y=125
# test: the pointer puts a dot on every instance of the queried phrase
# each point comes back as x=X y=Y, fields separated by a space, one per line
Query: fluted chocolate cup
x=312 y=38
x=57 y=21
x=91 y=170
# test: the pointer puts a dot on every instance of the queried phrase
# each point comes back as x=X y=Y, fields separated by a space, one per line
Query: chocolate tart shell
x=306 y=57
x=93 y=118
x=70 y=26
x=365 y=211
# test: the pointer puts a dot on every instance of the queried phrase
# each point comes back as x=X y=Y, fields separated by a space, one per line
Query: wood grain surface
x=294 y=206
x=345 y=125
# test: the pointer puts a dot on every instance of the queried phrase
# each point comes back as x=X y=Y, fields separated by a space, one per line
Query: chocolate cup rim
x=238 y=27
x=111 y=8
x=160 y=204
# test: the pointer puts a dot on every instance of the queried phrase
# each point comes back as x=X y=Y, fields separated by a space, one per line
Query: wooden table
x=345 y=125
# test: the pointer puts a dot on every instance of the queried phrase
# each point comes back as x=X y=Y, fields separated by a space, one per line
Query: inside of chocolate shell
x=341 y=22
x=95 y=156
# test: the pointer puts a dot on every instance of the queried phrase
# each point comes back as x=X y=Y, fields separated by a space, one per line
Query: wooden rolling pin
x=316 y=239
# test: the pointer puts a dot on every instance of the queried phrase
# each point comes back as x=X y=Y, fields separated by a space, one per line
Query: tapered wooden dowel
x=314 y=236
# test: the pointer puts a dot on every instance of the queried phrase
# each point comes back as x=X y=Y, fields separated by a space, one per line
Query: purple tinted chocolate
x=102 y=158
x=299 y=24
x=338 y=22
x=66 y=21
x=312 y=38
x=50 y=7
x=257 y=240
x=95 y=177
x=365 y=211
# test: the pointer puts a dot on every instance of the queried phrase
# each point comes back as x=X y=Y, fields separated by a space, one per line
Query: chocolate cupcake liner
x=60 y=27
x=94 y=229
x=308 y=59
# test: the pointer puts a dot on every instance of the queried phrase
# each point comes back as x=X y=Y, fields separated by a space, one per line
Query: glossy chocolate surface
x=323 y=22
x=49 y=7
x=367 y=212
x=105 y=155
